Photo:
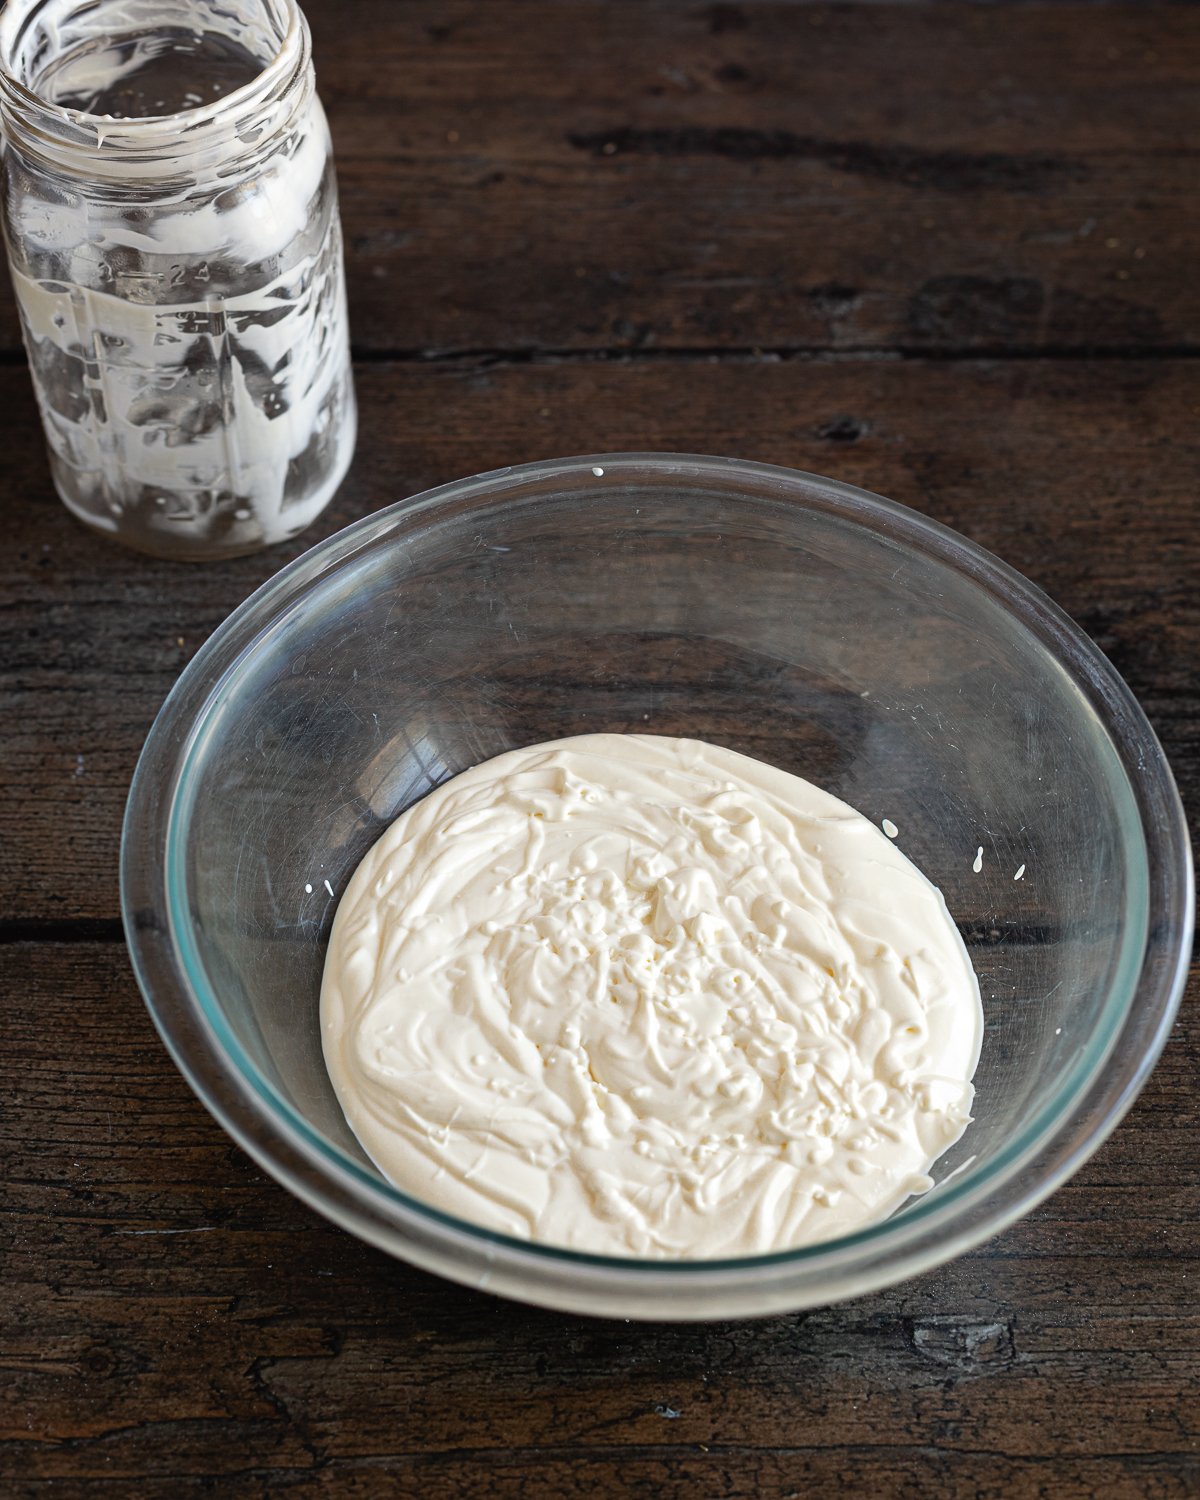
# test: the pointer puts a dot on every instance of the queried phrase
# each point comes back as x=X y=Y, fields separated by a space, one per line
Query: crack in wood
x=945 y=170
x=733 y=354
x=62 y=931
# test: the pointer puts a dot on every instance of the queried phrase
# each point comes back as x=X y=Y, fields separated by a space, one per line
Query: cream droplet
x=890 y=828
x=978 y=865
x=1020 y=875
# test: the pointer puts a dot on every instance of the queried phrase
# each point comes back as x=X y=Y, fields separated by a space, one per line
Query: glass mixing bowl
x=802 y=621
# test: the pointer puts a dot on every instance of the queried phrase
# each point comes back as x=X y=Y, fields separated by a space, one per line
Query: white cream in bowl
x=641 y=996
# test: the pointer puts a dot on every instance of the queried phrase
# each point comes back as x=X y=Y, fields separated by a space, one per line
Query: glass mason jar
x=170 y=210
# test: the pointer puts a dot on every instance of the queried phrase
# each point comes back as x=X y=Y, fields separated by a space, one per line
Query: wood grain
x=943 y=251
x=179 y=1323
x=1081 y=474
x=575 y=176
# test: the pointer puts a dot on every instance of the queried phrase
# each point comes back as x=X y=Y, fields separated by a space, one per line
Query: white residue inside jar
x=180 y=283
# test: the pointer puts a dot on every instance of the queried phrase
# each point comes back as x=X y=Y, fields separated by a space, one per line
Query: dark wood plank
x=870 y=240
x=174 y=1322
x=1080 y=474
x=549 y=175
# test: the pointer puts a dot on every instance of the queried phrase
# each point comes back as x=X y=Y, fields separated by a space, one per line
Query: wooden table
x=943 y=251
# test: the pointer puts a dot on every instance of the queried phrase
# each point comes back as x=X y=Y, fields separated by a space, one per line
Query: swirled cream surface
x=647 y=997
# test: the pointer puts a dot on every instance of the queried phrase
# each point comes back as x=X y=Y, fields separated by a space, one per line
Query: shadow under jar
x=170 y=211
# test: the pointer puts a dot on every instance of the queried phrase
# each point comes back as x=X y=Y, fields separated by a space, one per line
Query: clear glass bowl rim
x=958 y=1216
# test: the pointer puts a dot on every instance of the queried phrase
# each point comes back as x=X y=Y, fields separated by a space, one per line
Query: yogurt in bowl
x=791 y=619
x=634 y=995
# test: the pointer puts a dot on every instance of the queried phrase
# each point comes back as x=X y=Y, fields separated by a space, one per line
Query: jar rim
x=155 y=146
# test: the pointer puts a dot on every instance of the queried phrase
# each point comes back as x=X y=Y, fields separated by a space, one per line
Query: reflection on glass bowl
x=799 y=620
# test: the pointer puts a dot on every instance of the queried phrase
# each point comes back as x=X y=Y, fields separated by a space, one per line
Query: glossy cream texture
x=647 y=997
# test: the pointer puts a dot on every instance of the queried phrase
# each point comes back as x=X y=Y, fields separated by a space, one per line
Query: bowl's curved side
x=271 y=1132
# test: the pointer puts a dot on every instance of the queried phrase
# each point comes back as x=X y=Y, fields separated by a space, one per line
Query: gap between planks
x=752 y=353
